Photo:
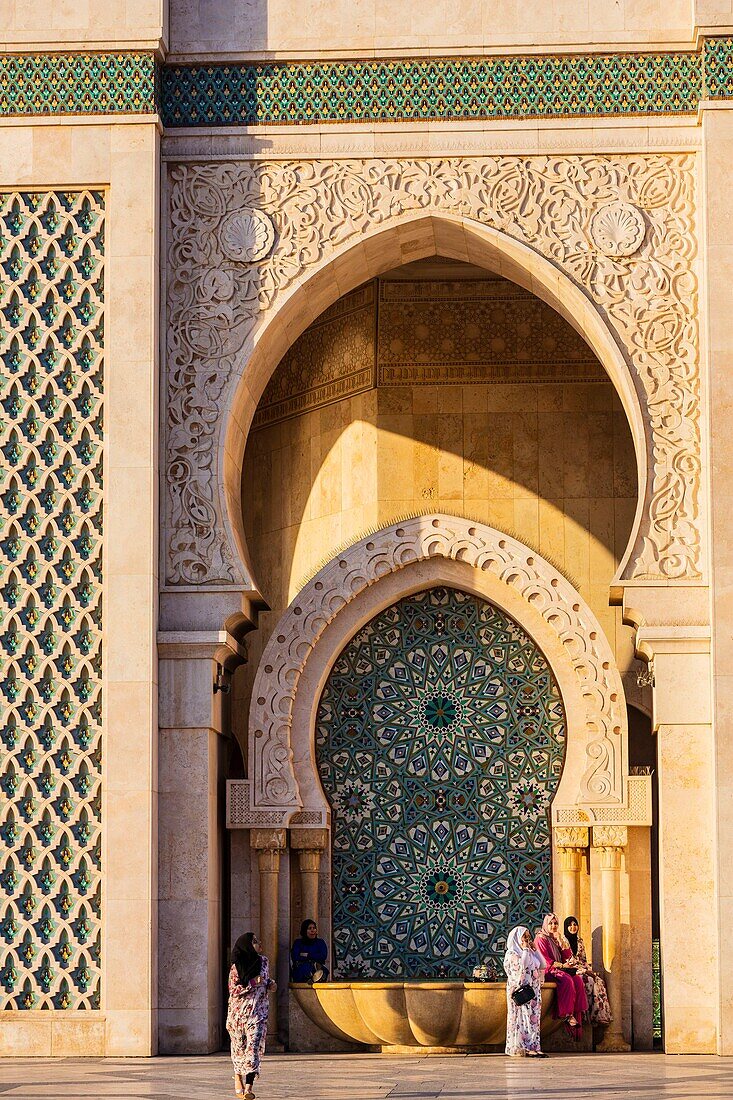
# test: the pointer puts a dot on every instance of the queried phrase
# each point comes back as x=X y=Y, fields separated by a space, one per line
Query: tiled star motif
x=440 y=740
x=51 y=392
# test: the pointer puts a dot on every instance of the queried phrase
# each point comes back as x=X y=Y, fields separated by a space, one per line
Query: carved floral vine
x=549 y=203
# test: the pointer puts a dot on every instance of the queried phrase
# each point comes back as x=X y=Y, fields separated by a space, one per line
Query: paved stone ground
x=372 y=1077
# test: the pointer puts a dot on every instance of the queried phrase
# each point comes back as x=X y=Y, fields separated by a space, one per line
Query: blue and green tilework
x=368 y=91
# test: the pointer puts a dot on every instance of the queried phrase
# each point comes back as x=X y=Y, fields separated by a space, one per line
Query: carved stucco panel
x=648 y=299
x=597 y=683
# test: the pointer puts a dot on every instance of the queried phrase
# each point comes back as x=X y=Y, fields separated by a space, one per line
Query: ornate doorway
x=440 y=739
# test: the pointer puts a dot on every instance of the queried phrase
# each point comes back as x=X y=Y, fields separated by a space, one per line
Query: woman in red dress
x=571 y=1002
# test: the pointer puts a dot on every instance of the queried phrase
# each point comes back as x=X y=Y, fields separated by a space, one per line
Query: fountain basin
x=439 y=1016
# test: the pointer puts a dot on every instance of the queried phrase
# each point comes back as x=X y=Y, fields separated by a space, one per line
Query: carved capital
x=309 y=859
x=268 y=860
x=309 y=838
x=275 y=840
x=570 y=836
x=610 y=836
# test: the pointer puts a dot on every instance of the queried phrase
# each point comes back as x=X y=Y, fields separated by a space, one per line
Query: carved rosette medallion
x=215 y=305
x=247 y=236
x=618 y=229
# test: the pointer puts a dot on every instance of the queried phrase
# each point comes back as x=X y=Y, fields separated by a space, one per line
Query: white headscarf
x=531 y=960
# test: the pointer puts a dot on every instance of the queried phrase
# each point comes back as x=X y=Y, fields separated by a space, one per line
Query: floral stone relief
x=621 y=228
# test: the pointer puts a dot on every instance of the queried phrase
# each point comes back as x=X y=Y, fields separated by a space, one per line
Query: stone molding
x=635 y=810
x=314 y=839
x=219 y=311
x=273 y=789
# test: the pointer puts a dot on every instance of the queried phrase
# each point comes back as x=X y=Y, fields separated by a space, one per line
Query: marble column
x=571 y=843
x=269 y=843
x=611 y=840
x=309 y=844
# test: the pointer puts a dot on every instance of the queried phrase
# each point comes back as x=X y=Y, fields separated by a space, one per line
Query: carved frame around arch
x=633 y=295
x=492 y=565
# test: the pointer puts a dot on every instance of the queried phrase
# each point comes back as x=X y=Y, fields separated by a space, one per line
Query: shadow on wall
x=550 y=461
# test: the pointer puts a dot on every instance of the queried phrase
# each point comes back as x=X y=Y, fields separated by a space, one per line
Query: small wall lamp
x=220 y=684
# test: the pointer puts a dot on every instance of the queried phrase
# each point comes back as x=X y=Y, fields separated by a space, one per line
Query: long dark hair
x=247 y=961
x=571 y=937
x=304 y=929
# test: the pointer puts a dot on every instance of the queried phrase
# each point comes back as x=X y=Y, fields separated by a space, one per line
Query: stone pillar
x=309 y=843
x=269 y=843
x=193 y=726
x=571 y=843
x=611 y=840
x=687 y=807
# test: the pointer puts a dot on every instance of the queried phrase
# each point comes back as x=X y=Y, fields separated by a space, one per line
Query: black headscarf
x=572 y=938
x=246 y=959
x=304 y=930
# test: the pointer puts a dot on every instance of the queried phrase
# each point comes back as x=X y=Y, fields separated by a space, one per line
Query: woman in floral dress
x=599 y=1010
x=249 y=984
x=523 y=966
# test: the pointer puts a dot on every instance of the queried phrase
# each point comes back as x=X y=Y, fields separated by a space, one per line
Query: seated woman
x=599 y=1009
x=571 y=1001
x=308 y=955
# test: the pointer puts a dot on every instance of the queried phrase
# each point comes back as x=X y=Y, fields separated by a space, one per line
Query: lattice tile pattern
x=540 y=86
x=59 y=84
x=51 y=338
x=440 y=740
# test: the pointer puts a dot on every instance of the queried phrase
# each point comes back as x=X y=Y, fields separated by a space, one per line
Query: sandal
x=238 y=1088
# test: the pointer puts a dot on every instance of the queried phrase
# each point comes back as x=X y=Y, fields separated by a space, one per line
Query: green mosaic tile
x=61 y=84
x=429 y=89
x=439 y=742
x=718 y=68
x=51 y=375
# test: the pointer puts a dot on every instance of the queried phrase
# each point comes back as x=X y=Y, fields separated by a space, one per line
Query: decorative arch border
x=607 y=241
x=477 y=558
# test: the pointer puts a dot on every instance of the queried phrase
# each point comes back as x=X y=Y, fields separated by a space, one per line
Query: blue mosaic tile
x=439 y=741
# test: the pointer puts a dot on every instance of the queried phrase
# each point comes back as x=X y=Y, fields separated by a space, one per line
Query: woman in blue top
x=308 y=955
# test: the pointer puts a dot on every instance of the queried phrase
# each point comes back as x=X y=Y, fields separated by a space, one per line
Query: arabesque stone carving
x=272 y=780
x=570 y=836
x=618 y=229
x=318 y=207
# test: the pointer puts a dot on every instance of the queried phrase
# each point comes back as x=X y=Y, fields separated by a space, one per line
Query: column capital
x=570 y=836
x=610 y=836
x=309 y=859
x=272 y=840
x=309 y=838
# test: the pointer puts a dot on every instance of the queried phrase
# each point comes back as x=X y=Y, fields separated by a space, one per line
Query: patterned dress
x=522 y=1021
x=247 y=1020
x=599 y=1010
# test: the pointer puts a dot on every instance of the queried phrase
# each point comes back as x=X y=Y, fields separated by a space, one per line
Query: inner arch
x=440 y=740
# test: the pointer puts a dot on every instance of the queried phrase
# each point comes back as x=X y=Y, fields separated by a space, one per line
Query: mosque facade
x=365 y=550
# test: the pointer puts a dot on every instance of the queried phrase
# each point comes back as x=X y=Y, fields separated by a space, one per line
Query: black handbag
x=523 y=995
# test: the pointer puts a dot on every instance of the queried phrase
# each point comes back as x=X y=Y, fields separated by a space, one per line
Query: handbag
x=523 y=995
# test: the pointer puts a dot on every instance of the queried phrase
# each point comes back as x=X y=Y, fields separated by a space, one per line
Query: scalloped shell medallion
x=247 y=236
x=618 y=229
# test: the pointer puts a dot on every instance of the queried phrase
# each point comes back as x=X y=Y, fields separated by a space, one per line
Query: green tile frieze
x=368 y=91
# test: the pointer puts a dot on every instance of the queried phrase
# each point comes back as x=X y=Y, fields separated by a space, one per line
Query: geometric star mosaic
x=51 y=385
x=440 y=741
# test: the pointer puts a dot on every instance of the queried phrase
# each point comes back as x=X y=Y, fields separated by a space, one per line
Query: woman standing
x=571 y=1001
x=249 y=984
x=523 y=966
x=308 y=955
x=599 y=1009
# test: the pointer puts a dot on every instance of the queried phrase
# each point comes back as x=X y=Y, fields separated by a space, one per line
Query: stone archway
x=405 y=557
x=259 y=250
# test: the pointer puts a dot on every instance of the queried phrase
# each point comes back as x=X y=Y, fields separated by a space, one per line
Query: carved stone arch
x=551 y=224
x=372 y=574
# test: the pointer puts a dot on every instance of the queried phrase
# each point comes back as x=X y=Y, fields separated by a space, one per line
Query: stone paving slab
x=374 y=1077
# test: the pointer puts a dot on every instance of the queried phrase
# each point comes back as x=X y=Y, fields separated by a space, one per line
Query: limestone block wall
x=203 y=27
x=47 y=24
